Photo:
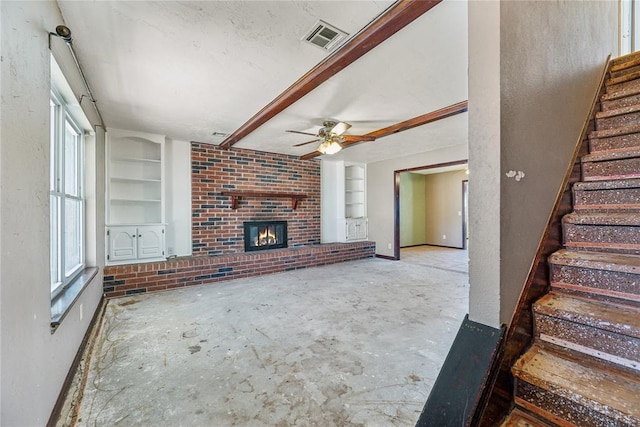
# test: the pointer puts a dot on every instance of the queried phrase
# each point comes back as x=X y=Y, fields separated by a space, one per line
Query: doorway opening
x=439 y=207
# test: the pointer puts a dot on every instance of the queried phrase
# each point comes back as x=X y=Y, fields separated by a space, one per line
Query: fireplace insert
x=263 y=235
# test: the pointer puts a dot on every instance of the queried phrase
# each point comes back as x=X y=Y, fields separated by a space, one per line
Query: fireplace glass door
x=262 y=235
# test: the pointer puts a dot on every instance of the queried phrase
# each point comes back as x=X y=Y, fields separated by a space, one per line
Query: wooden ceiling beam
x=431 y=117
x=396 y=17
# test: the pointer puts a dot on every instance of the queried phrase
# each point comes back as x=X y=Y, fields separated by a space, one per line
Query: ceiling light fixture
x=329 y=146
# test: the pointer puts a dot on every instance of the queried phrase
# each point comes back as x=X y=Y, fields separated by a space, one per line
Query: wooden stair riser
x=607 y=199
x=603 y=238
x=604 y=283
x=625 y=101
x=518 y=418
x=616 y=348
x=633 y=68
x=611 y=169
x=628 y=85
x=557 y=407
x=621 y=142
x=629 y=74
x=621 y=120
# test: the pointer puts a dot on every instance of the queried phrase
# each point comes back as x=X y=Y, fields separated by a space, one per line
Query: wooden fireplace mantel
x=236 y=195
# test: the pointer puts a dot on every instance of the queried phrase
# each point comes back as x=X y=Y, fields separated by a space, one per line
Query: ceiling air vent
x=324 y=35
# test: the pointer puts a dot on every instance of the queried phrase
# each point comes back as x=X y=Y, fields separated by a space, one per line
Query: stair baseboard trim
x=595 y=291
x=542 y=413
x=632 y=364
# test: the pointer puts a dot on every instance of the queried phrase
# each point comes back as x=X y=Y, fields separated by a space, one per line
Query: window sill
x=61 y=304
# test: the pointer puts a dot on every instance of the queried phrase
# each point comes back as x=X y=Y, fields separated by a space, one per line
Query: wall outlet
x=81 y=311
x=389 y=246
x=170 y=250
x=444 y=237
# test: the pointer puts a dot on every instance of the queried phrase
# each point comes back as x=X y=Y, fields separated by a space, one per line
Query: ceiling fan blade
x=305 y=143
x=357 y=138
x=302 y=133
x=340 y=128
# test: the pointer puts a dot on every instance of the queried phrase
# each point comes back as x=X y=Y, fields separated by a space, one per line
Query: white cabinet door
x=122 y=243
x=356 y=229
x=352 y=229
x=361 y=229
x=150 y=241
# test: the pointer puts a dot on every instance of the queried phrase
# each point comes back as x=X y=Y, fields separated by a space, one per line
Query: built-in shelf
x=236 y=195
x=136 y=200
x=132 y=180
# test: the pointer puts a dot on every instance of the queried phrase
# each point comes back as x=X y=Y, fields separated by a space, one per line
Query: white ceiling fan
x=331 y=136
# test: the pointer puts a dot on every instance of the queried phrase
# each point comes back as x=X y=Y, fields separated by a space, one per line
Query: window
x=66 y=196
x=629 y=21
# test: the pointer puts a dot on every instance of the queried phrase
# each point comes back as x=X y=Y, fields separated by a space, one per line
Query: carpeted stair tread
x=618 y=111
x=606 y=316
x=612 y=184
x=602 y=218
x=607 y=133
x=623 y=263
x=612 y=96
x=611 y=391
x=623 y=62
x=623 y=78
x=611 y=155
x=607 y=195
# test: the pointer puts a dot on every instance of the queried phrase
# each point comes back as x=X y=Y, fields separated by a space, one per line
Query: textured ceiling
x=189 y=69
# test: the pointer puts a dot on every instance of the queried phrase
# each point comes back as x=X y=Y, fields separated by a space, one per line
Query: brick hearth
x=120 y=280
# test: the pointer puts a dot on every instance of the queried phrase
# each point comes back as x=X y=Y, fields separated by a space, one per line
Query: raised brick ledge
x=121 y=280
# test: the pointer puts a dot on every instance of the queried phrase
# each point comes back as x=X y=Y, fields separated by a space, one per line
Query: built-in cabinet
x=135 y=196
x=135 y=243
x=355 y=202
x=344 y=201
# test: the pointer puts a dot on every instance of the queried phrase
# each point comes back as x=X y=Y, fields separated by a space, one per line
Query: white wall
x=533 y=70
x=34 y=362
x=178 y=205
x=380 y=191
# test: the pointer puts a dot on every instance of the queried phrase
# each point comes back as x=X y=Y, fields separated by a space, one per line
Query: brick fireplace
x=217 y=228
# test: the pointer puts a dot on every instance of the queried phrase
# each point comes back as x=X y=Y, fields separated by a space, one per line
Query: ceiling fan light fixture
x=329 y=147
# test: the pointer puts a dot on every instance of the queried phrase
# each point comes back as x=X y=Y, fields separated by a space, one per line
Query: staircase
x=583 y=368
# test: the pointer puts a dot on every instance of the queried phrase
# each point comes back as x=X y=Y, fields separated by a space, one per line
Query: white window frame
x=61 y=118
x=629 y=23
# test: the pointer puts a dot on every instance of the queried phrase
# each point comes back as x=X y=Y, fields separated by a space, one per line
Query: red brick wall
x=121 y=280
x=217 y=229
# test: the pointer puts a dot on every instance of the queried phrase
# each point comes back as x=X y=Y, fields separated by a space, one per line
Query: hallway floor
x=357 y=343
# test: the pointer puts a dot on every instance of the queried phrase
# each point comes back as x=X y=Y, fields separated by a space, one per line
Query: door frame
x=396 y=199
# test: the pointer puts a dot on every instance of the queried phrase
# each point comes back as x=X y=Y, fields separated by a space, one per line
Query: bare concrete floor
x=358 y=343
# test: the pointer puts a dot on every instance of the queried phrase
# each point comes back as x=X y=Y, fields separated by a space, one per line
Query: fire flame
x=266 y=238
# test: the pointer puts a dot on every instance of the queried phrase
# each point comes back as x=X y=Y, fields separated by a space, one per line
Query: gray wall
x=444 y=208
x=413 y=212
x=533 y=70
x=34 y=362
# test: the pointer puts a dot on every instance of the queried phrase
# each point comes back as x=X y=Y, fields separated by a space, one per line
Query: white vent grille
x=324 y=36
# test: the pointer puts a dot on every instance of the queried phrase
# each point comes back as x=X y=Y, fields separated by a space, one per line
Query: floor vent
x=324 y=36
